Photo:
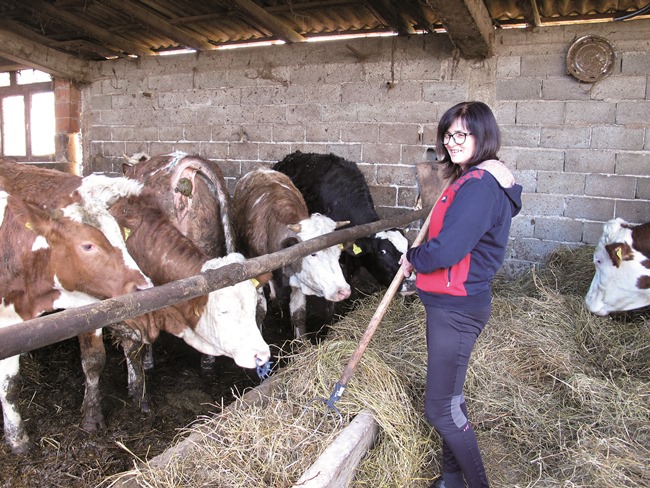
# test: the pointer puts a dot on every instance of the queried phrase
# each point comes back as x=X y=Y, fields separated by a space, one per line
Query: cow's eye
x=382 y=252
x=87 y=246
x=313 y=255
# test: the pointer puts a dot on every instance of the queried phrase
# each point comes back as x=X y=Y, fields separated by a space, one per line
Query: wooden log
x=336 y=466
x=39 y=332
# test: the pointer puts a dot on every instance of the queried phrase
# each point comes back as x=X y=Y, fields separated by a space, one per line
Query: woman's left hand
x=407 y=268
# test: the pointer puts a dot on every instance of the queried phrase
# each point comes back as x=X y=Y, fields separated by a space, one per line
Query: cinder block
x=633 y=211
x=610 y=186
x=539 y=159
x=273 y=152
x=288 y=133
x=508 y=66
x=356 y=132
x=591 y=112
x=197 y=133
x=543 y=112
x=616 y=88
x=444 y=91
x=316 y=132
x=565 y=137
x=633 y=113
x=400 y=175
x=214 y=150
x=543 y=65
x=519 y=89
x=635 y=63
x=558 y=229
x=381 y=153
x=244 y=150
x=560 y=183
x=591 y=232
x=399 y=133
x=589 y=161
x=563 y=88
x=617 y=137
x=589 y=208
x=383 y=196
x=520 y=135
x=632 y=163
x=534 y=204
x=351 y=152
x=643 y=189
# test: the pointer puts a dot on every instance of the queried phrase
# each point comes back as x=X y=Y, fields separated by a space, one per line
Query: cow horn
x=295 y=228
x=341 y=223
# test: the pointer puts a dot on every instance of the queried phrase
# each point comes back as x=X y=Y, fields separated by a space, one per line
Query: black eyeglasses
x=458 y=137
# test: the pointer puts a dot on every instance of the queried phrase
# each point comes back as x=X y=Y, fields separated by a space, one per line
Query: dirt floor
x=64 y=455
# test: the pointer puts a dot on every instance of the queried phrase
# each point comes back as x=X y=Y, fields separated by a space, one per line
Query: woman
x=468 y=235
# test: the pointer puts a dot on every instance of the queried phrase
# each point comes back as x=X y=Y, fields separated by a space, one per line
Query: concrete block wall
x=581 y=151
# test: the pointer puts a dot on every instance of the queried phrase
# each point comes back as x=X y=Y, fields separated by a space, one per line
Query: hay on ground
x=558 y=397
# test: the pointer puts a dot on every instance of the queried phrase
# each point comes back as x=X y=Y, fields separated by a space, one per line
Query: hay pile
x=558 y=397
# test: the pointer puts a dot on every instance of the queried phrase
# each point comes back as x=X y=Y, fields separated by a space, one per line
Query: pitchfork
x=341 y=385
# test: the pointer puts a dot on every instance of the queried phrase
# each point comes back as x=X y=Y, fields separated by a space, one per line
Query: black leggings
x=450 y=339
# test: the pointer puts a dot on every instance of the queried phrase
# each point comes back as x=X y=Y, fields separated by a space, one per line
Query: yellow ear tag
x=127 y=232
x=29 y=225
x=356 y=249
x=255 y=282
x=619 y=254
x=341 y=246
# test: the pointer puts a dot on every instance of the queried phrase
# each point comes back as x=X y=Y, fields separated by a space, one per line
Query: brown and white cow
x=622 y=260
x=49 y=262
x=270 y=214
x=193 y=193
x=220 y=323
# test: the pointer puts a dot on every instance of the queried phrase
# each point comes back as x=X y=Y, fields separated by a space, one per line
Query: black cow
x=336 y=187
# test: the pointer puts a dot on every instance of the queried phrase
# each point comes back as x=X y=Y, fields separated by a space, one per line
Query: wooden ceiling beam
x=26 y=52
x=390 y=16
x=277 y=26
x=160 y=24
x=122 y=44
x=468 y=24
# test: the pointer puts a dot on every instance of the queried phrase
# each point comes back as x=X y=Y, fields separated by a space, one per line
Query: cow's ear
x=619 y=252
x=355 y=248
x=262 y=279
x=31 y=216
x=289 y=241
x=127 y=169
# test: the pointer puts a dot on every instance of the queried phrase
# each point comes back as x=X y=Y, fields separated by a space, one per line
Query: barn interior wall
x=581 y=150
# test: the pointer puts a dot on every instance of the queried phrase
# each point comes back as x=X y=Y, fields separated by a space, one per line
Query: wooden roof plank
x=468 y=24
x=148 y=17
x=91 y=29
x=271 y=22
x=35 y=55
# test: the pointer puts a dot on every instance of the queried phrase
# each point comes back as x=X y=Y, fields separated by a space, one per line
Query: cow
x=193 y=194
x=270 y=214
x=50 y=262
x=622 y=260
x=220 y=323
x=335 y=187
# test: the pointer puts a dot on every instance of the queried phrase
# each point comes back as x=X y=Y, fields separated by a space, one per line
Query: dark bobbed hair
x=480 y=121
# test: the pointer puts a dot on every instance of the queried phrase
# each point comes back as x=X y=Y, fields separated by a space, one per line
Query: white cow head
x=319 y=273
x=227 y=326
x=622 y=259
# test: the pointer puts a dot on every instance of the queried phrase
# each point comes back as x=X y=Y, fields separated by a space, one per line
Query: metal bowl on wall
x=590 y=59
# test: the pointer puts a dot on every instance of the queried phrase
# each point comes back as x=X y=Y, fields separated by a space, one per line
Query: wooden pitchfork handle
x=341 y=385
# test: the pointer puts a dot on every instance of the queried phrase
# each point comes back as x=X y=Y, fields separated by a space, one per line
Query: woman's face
x=459 y=153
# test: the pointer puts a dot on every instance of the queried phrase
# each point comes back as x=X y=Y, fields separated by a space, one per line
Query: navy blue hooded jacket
x=468 y=235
